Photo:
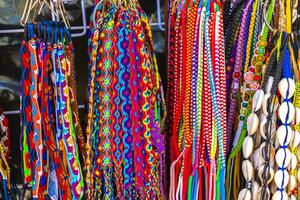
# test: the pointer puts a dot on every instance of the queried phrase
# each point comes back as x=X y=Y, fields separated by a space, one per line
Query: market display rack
x=83 y=30
x=159 y=24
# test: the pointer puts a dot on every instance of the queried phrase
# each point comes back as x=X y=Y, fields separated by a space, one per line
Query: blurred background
x=10 y=70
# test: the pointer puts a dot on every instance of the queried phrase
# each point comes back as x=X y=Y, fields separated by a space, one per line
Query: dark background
x=10 y=70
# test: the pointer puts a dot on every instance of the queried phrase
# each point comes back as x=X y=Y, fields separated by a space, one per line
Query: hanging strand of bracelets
x=290 y=65
x=180 y=92
x=267 y=126
x=200 y=104
x=252 y=120
x=294 y=144
x=220 y=175
x=105 y=69
x=284 y=133
x=186 y=168
x=237 y=71
x=98 y=113
x=193 y=179
x=207 y=115
x=220 y=80
x=295 y=140
x=93 y=47
x=251 y=83
x=157 y=115
x=231 y=34
x=175 y=155
x=286 y=114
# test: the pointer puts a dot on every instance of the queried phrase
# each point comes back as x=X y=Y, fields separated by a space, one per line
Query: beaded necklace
x=247 y=150
x=237 y=73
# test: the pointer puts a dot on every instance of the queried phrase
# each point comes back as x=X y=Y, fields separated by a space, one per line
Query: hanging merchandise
x=125 y=147
x=50 y=126
x=263 y=162
x=240 y=119
x=196 y=100
x=4 y=156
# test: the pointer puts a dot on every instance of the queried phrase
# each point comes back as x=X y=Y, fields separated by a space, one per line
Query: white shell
x=265 y=103
x=257 y=140
x=293 y=162
x=275 y=102
x=248 y=170
x=296 y=139
x=292 y=183
x=262 y=116
x=269 y=83
x=258 y=160
x=263 y=128
x=297 y=117
x=257 y=100
x=247 y=146
x=244 y=194
x=284 y=109
x=271 y=152
x=281 y=178
x=254 y=191
x=284 y=135
x=261 y=170
x=292 y=197
x=283 y=157
x=252 y=123
x=286 y=87
x=277 y=196
x=276 y=143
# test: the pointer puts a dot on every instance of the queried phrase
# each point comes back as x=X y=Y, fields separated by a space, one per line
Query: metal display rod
x=84 y=26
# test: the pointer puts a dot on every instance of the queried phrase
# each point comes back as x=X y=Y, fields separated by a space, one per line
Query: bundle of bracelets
x=196 y=100
x=51 y=133
x=269 y=165
x=125 y=145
